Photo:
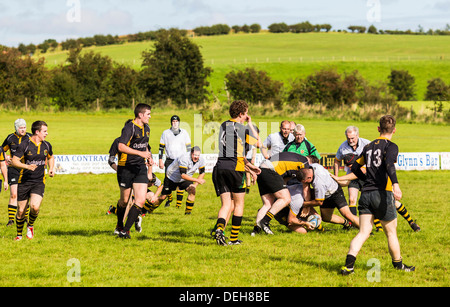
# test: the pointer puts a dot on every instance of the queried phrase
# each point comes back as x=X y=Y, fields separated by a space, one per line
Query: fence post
x=26 y=104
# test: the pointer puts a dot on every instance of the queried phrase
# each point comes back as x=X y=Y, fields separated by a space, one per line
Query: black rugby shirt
x=135 y=137
x=31 y=153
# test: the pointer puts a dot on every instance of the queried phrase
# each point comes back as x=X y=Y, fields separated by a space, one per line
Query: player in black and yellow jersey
x=275 y=172
x=132 y=172
x=229 y=172
x=11 y=143
x=379 y=192
x=31 y=157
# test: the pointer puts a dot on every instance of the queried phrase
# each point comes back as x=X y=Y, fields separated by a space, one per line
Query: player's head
x=352 y=135
x=142 y=111
x=20 y=125
x=387 y=124
x=285 y=128
x=305 y=175
x=195 y=153
x=349 y=159
x=40 y=129
x=238 y=108
x=312 y=159
x=175 y=121
x=293 y=124
x=299 y=133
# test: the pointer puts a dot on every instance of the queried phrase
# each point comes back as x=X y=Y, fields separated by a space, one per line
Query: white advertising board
x=409 y=161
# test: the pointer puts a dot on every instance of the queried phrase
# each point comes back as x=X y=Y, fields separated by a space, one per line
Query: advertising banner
x=408 y=161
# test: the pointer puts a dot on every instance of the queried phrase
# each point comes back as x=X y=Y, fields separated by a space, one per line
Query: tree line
x=174 y=70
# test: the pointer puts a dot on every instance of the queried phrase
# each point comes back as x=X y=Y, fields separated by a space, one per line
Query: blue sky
x=33 y=21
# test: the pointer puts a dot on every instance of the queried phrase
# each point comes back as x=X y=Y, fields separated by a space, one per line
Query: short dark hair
x=238 y=107
x=387 y=124
x=195 y=148
x=141 y=108
x=37 y=125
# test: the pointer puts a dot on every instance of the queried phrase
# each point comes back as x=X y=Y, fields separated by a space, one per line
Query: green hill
x=289 y=56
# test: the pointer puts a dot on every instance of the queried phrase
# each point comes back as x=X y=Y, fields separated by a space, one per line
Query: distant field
x=289 y=56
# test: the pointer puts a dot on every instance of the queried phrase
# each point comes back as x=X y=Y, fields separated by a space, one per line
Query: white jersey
x=296 y=191
x=324 y=186
x=185 y=163
x=274 y=142
x=345 y=149
x=175 y=145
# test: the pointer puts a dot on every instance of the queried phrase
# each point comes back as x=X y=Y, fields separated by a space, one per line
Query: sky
x=33 y=21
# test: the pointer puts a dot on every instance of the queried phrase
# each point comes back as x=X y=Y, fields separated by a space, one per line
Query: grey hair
x=351 y=128
x=19 y=123
x=299 y=129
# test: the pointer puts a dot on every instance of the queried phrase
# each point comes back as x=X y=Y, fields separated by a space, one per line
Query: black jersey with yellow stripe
x=379 y=157
x=233 y=138
x=33 y=154
x=286 y=164
x=135 y=137
x=12 y=141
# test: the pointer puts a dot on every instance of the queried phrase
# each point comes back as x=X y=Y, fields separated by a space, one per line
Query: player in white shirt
x=175 y=142
x=180 y=175
x=276 y=142
x=328 y=195
x=352 y=147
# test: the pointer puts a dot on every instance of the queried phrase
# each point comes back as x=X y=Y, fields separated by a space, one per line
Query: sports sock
x=235 y=227
x=19 y=224
x=189 y=206
x=120 y=216
x=12 y=211
x=353 y=210
x=398 y=264
x=377 y=224
x=27 y=213
x=267 y=218
x=350 y=261
x=114 y=209
x=169 y=198
x=32 y=218
x=404 y=212
x=133 y=214
x=221 y=224
x=320 y=228
x=179 y=198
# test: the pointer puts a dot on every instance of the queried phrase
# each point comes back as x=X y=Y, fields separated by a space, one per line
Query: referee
x=175 y=141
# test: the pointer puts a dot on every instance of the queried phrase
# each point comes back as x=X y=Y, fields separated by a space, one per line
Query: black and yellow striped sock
x=268 y=217
x=320 y=228
x=27 y=213
x=169 y=198
x=220 y=224
x=12 y=211
x=179 y=198
x=19 y=224
x=189 y=206
x=404 y=212
x=32 y=218
x=235 y=228
x=377 y=224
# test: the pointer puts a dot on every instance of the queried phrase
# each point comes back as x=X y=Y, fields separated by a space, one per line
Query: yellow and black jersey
x=135 y=137
x=12 y=141
x=379 y=157
x=286 y=164
x=2 y=154
x=33 y=154
x=233 y=138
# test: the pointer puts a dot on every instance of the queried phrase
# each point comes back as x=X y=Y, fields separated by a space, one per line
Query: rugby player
x=31 y=157
x=380 y=190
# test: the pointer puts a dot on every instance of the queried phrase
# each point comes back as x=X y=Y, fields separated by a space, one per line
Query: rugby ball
x=315 y=220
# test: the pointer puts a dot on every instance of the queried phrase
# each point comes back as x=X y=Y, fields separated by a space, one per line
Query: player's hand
x=51 y=173
x=309 y=226
x=32 y=167
x=397 y=192
x=161 y=164
x=201 y=181
x=5 y=186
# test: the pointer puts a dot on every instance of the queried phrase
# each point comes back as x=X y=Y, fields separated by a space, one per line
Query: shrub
x=401 y=84
x=253 y=86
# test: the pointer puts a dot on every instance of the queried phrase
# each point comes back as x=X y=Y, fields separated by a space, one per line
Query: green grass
x=289 y=56
x=176 y=250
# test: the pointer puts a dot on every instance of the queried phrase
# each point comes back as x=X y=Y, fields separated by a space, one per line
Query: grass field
x=289 y=56
x=176 y=250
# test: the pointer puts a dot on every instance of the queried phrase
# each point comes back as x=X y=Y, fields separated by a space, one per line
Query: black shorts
x=270 y=182
x=228 y=181
x=170 y=186
x=13 y=175
x=25 y=189
x=356 y=184
x=336 y=200
x=381 y=204
x=127 y=175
